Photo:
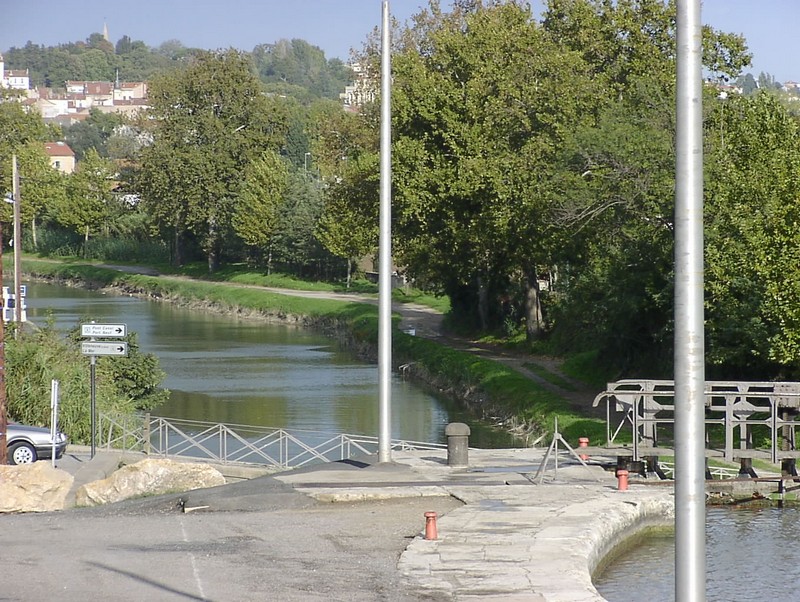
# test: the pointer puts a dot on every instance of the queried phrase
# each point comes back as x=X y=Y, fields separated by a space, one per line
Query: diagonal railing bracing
x=278 y=448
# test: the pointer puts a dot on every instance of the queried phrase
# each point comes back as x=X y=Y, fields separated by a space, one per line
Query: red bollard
x=430 y=526
x=583 y=442
x=622 y=480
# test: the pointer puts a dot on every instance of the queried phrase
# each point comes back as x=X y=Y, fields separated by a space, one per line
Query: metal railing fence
x=735 y=406
x=236 y=443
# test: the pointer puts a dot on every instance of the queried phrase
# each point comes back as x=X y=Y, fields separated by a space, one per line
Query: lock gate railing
x=647 y=405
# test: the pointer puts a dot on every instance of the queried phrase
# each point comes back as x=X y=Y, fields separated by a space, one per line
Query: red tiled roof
x=98 y=87
x=58 y=149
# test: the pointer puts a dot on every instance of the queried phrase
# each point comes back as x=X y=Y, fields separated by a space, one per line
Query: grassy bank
x=490 y=389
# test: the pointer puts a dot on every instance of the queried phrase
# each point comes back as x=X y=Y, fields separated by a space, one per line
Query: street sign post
x=104 y=330
x=103 y=348
x=94 y=348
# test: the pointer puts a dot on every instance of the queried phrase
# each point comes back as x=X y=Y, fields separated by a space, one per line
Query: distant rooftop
x=58 y=149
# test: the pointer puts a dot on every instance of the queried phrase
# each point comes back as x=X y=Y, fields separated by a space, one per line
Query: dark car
x=27 y=444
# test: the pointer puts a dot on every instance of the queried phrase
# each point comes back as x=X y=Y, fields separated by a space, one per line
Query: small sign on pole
x=109 y=331
x=103 y=348
x=94 y=348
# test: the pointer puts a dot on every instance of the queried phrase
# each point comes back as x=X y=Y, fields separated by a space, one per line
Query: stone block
x=149 y=477
x=36 y=487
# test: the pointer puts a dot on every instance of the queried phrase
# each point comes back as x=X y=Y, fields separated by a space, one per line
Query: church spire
x=105 y=31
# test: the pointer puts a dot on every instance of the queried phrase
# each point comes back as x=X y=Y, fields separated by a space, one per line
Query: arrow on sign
x=101 y=348
x=103 y=330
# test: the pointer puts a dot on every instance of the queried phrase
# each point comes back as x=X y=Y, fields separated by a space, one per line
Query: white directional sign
x=103 y=348
x=103 y=330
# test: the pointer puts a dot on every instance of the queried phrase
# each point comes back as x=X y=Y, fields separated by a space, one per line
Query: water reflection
x=227 y=369
x=750 y=553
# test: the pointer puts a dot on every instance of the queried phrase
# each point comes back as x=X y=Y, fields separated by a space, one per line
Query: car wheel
x=21 y=453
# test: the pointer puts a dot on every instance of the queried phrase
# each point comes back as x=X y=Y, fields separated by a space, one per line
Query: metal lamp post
x=385 y=249
x=690 y=545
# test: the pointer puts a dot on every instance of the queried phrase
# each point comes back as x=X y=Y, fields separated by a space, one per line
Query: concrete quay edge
x=513 y=539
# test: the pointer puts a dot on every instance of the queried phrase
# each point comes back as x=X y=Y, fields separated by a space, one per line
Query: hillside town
x=73 y=103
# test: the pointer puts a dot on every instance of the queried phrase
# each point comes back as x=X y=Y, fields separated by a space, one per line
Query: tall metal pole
x=93 y=404
x=690 y=513
x=17 y=251
x=385 y=248
x=3 y=400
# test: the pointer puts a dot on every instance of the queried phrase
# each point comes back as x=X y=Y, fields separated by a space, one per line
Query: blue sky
x=333 y=25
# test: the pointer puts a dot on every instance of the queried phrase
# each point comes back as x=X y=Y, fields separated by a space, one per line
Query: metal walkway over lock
x=236 y=444
x=738 y=406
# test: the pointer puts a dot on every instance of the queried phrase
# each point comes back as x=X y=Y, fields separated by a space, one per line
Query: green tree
x=348 y=227
x=60 y=67
x=615 y=271
x=18 y=127
x=629 y=41
x=124 y=45
x=752 y=228
x=89 y=196
x=766 y=81
x=297 y=144
x=22 y=133
x=135 y=378
x=345 y=148
x=478 y=118
x=485 y=104
x=97 y=41
x=747 y=83
x=297 y=67
x=97 y=65
x=256 y=214
x=296 y=245
x=93 y=133
x=211 y=120
x=41 y=187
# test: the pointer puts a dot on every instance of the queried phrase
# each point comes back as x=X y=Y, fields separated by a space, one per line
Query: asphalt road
x=257 y=540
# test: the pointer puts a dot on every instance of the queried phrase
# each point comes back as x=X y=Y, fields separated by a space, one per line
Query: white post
x=690 y=517
x=53 y=419
x=385 y=248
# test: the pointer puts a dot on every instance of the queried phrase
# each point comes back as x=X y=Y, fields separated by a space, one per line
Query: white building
x=363 y=90
x=14 y=79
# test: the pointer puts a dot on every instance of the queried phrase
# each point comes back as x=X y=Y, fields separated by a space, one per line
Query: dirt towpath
x=426 y=322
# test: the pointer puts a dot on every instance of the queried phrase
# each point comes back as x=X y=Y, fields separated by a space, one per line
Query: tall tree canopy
x=87 y=207
x=211 y=120
x=297 y=68
x=482 y=103
x=752 y=233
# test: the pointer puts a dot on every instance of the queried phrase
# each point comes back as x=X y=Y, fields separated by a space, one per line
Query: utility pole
x=3 y=411
x=17 y=250
x=18 y=309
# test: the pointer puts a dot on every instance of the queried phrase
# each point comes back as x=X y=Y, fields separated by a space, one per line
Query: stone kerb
x=533 y=544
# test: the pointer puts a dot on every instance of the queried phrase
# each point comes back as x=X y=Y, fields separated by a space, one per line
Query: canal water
x=244 y=371
x=751 y=555
x=224 y=369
